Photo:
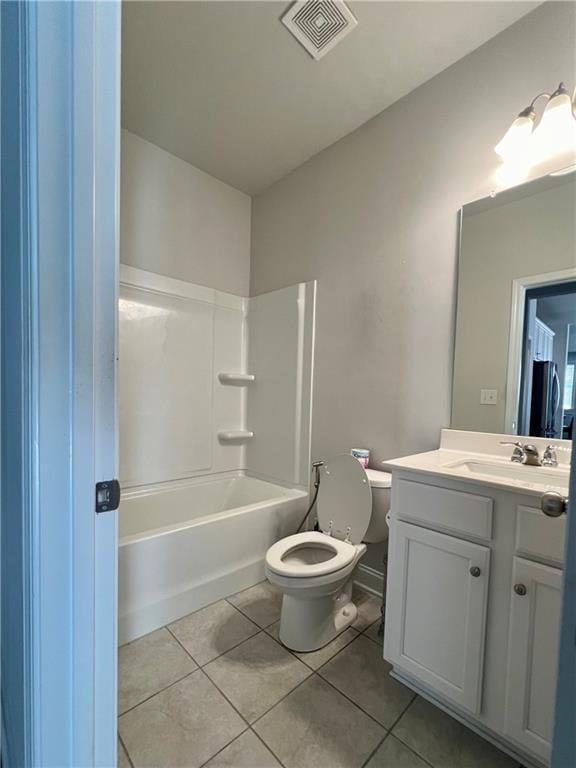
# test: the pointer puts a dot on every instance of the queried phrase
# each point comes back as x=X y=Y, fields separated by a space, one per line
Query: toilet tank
x=380 y=485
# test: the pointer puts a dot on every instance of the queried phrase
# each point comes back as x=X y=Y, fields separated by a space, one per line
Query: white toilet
x=313 y=568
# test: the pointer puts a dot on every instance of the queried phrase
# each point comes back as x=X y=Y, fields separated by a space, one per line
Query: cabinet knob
x=520 y=589
x=475 y=571
x=553 y=504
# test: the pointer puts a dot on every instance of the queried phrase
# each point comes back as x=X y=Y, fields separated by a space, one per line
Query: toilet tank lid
x=378 y=479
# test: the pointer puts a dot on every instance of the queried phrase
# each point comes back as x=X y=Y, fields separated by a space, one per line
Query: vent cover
x=319 y=25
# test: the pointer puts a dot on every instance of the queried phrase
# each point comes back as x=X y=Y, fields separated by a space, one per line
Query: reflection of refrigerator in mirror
x=545 y=399
x=548 y=354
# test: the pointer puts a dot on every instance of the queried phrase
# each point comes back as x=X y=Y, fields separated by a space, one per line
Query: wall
x=374 y=219
x=529 y=236
x=180 y=222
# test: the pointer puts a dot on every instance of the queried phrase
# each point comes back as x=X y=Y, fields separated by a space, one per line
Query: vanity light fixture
x=531 y=142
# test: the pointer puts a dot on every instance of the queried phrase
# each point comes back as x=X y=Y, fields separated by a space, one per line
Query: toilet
x=313 y=569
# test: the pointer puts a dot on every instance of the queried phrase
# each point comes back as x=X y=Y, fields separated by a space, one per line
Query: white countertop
x=479 y=459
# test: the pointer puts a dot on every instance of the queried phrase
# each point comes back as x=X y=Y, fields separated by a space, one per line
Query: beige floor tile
x=182 y=727
x=393 y=754
x=369 y=608
x=360 y=672
x=123 y=761
x=247 y=751
x=443 y=741
x=316 y=727
x=149 y=664
x=256 y=674
x=372 y=633
x=315 y=659
x=261 y=603
x=211 y=631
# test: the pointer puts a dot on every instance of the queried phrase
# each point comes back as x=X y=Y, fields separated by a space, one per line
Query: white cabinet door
x=533 y=655
x=436 y=611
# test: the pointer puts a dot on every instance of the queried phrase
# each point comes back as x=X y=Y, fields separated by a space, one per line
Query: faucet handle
x=549 y=458
x=517 y=453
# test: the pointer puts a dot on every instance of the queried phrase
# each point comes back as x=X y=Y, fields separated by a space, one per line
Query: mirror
x=515 y=346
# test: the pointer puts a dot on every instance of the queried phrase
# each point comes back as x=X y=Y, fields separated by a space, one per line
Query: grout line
x=376 y=748
x=224 y=747
x=308 y=677
x=268 y=747
x=389 y=733
x=401 y=740
x=161 y=690
x=332 y=658
x=267 y=626
x=186 y=651
x=303 y=660
x=353 y=702
x=315 y=672
x=379 y=643
x=121 y=740
x=219 y=656
x=315 y=669
x=234 y=707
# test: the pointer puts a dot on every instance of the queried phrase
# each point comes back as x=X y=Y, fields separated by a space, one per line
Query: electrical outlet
x=488 y=396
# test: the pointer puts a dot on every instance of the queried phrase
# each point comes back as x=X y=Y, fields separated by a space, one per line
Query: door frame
x=60 y=181
x=520 y=286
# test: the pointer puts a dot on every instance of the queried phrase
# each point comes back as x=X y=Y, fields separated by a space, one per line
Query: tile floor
x=217 y=689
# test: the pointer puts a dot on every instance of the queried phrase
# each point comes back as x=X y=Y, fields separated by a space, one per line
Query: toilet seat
x=341 y=553
x=345 y=499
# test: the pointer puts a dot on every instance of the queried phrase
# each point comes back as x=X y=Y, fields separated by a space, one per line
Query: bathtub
x=184 y=545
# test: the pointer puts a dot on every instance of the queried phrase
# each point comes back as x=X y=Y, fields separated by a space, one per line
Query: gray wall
x=181 y=222
x=374 y=219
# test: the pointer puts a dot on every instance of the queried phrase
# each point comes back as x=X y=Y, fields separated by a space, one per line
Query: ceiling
x=225 y=86
x=557 y=310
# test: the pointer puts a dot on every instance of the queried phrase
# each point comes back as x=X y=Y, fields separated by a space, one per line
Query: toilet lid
x=344 y=498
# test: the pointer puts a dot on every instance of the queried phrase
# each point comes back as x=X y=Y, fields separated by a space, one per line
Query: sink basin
x=548 y=478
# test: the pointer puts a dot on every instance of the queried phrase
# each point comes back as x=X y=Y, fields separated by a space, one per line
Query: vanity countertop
x=483 y=461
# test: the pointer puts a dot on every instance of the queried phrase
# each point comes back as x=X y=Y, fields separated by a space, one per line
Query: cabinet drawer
x=453 y=511
x=540 y=536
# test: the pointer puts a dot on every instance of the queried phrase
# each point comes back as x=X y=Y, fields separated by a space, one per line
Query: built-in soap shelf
x=236 y=379
x=235 y=435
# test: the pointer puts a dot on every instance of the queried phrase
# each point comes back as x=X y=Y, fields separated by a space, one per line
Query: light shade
x=516 y=140
x=555 y=134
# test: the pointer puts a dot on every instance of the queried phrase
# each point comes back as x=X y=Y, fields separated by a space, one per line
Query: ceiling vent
x=319 y=25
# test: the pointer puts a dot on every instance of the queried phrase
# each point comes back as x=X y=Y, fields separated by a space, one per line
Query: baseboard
x=155 y=615
x=369 y=579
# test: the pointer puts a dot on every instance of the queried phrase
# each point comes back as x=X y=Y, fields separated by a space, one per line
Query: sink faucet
x=524 y=453
x=549 y=458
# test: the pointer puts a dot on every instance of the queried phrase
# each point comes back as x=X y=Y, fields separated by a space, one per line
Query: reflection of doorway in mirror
x=546 y=391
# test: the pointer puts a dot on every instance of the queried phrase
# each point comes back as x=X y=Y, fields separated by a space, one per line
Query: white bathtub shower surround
x=186 y=544
x=279 y=403
x=175 y=337
x=204 y=373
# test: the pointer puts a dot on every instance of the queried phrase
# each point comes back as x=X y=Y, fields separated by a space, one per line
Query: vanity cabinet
x=473 y=606
x=533 y=655
x=439 y=602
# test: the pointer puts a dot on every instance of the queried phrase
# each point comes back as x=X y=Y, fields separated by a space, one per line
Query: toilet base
x=311 y=622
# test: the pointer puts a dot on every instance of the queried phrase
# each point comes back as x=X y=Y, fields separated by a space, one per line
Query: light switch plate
x=488 y=396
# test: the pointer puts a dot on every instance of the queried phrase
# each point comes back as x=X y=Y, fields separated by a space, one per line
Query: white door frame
x=60 y=276
x=517 y=312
